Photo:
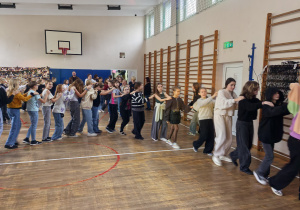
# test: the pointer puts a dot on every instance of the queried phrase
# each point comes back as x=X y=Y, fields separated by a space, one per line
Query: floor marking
x=96 y=156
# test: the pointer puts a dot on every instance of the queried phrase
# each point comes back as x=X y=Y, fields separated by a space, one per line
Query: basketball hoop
x=64 y=51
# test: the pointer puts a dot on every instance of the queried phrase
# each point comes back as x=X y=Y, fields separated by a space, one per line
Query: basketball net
x=64 y=51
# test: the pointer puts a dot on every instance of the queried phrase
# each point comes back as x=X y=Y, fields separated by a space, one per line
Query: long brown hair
x=157 y=92
x=58 y=90
x=197 y=88
x=249 y=88
x=78 y=84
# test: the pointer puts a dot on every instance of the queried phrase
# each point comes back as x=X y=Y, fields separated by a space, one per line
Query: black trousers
x=284 y=177
x=4 y=113
x=207 y=135
x=125 y=116
x=113 y=116
x=138 y=122
x=244 y=140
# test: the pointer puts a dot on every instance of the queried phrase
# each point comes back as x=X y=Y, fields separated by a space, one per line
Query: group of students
x=213 y=114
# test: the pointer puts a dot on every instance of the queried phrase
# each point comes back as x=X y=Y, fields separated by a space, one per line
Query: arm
x=57 y=97
x=44 y=100
x=268 y=111
x=24 y=98
x=103 y=92
x=80 y=95
x=225 y=102
x=200 y=103
x=159 y=98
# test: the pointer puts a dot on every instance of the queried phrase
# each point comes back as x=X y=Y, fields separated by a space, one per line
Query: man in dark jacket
x=270 y=130
x=73 y=78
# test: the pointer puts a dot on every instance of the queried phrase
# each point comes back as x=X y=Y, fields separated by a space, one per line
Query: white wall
x=240 y=21
x=22 y=42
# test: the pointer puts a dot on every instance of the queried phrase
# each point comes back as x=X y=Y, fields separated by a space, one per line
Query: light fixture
x=65 y=6
x=8 y=5
x=113 y=7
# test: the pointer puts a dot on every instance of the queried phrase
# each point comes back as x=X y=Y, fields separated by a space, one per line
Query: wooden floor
x=88 y=173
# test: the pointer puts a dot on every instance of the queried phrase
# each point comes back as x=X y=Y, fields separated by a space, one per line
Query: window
x=165 y=15
x=150 y=25
x=187 y=8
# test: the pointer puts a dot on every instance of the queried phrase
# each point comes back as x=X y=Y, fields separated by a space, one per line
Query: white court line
x=84 y=157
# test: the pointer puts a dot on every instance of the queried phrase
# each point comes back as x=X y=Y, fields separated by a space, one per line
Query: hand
x=268 y=103
x=215 y=95
x=191 y=107
x=89 y=87
x=16 y=92
x=35 y=93
x=239 y=98
x=59 y=95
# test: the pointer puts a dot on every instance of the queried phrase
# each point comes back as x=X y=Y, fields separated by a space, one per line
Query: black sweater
x=147 y=89
x=270 y=128
x=248 y=109
x=196 y=97
x=125 y=101
x=4 y=99
x=96 y=102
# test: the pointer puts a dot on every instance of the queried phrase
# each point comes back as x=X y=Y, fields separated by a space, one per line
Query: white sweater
x=225 y=104
x=87 y=100
x=205 y=108
x=59 y=106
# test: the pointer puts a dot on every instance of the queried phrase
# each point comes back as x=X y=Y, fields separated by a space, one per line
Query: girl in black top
x=125 y=108
x=195 y=119
x=172 y=114
x=147 y=92
x=247 y=112
x=270 y=131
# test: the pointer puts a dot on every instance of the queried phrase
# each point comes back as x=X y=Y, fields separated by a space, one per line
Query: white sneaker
x=91 y=134
x=224 y=158
x=164 y=139
x=75 y=136
x=277 y=192
x=260 y=179
x=175 y=146
x=154 y=139
x=217 y=161
x=169 y=142
x=81 y=132
x=59 y=138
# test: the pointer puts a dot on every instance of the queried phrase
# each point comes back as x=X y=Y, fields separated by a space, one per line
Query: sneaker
x=59 y=139
x=11 y=146
x=122 y=133
x=92 y=134
x=191 y=134
x=260 y=179
x=46 y=140
x=164 y=139
x=109 y=130
x=169 y=142
x=49 y=138
x=98 y=131
x=216 y=161
x=209 y=154
x=139 y=137
x=195 y=150
x=35 y=143
x=26 y=141
x=226 y=159
x=175 y=146
x=233 y=160
x=81 y=132
x=277 y=192
x=154 y=139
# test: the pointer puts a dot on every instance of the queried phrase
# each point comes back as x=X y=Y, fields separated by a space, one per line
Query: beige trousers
x=223 y=128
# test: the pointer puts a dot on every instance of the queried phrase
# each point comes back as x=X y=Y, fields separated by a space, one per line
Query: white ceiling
x=80 y=7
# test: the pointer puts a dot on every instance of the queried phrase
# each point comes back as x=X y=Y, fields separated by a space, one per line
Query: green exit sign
x=228 y=45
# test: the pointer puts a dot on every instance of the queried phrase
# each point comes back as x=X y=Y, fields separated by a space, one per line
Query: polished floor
x=118 y=172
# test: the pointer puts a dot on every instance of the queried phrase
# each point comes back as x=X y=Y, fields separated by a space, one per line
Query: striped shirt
x=138 y=101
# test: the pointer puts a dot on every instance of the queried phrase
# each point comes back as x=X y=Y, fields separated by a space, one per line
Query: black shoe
x=26 y=141
x=35 y=143
x=194 y=148
x=17 y=143
x=11 y=146
x=133 y=132
x=233 y=160
x=139 y=137
x=109 y=130
x=47 y=140
x=247 y=171
x=99 y=131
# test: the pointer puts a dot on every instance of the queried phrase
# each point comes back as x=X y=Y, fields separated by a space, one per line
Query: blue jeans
x=14 y=115
x=194 y=122
x=1 y=123
x=101 y=102
x=148 y=102
x=87 y=117
x=59 y=126
x=34 y=116
x=95 y=116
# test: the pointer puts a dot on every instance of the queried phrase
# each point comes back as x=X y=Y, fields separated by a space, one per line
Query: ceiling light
x=113 y=7
x=65 y=6
x=8 y=5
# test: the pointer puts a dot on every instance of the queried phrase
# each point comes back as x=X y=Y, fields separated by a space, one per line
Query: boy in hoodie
x=270 y=131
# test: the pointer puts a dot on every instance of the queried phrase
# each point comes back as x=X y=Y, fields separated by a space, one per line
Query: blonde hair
x=12 y=86
x=133 y=78
x=88 y=82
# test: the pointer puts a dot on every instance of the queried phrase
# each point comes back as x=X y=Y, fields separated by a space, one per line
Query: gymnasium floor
x=118 y=172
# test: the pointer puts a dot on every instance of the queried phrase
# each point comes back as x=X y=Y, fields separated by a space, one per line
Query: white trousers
x=223 y=140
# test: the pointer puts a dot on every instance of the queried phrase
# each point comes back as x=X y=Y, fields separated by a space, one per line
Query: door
x=234 y=70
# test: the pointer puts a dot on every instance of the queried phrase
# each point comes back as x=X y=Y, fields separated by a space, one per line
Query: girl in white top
x=225 y=106
x=59 y=111
x=46 y=110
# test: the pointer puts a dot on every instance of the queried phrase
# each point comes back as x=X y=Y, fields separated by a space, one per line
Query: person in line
x=205 y=109
x=288 y=173
x=226 y=104
x=131 y=83
x=73 y=78
x=33 y=112
x=138 y=113
x=173 y=115
x=158 y=120
x=125 y=108
x=195 y=120
x=270 y=131
x=89 y=77
x=147 y=92
x=5 y=116
x=247 y=112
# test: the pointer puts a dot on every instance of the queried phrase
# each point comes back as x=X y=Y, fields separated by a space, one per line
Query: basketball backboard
x=56 y=40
